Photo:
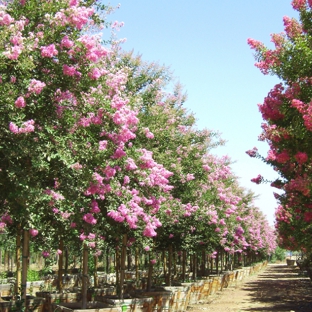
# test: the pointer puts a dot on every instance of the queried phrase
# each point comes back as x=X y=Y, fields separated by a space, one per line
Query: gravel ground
x=275 y=289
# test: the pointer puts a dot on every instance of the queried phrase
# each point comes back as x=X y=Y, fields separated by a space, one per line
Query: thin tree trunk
x=203 y=263
x=95 y=275
x=84 y=276
x=18 y=259
x=129 y=259
x=183 y=265
x=149 y=276
x=25 y=265
x=117 y=266
x=165 y=263
x=107 y=261
x=174 y=259
x=60 y=267
x=170 y=266
x=123 y=264
x=137 y=266
x=66 y=261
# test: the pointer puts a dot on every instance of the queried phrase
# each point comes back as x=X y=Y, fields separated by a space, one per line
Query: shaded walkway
x=277 y=288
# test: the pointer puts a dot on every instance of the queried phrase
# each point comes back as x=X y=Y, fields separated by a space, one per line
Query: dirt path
x=277 y=288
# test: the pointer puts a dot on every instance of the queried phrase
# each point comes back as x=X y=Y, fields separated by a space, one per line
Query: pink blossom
x=301 y=157
x=153 y=261
x=126 y=180
x=282 y=157
x=149 y=231
x=82 y=236
x=190 y=177
x=95 y=73
x=292 y=27
x=20 y=102
x=252 y=152
x=66 y=42
x=206 y=168
x=102 y=145
x=2 y=226
x=27 y=127
x=257 y=180
x=92 y=244
x=91 y=236
x=54 y=195
x=73 y=2
x=13 y=127
x=7 y=218
x=89 y=218
x=73 y=225
x=171 y=235
x=79 y=15
x=97 y=253
x=69 y=70
x=59 y=252
x=13 y=53
x=48 y=51
x=36 y=86
x=95 y=207
x=33 y=232
x=6 y=19
x=148 y=134
x=65 y=215
x=254 y=44
x=45 y=254
x=147 y=248
x=298 y=4
x=76 y=166
x=119 y=153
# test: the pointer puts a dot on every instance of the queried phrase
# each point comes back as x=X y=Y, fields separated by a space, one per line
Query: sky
x=204 y=43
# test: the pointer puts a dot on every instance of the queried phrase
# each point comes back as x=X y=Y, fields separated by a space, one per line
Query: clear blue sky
x=205 y=44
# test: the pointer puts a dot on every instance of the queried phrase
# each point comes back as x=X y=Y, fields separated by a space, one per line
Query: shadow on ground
x=282 y=288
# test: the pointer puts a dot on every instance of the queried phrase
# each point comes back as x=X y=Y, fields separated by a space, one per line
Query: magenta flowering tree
x=68 y=166
x=287 y=124
x=201 y=212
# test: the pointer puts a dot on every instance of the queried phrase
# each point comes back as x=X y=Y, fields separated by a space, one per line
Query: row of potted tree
x=94 y=151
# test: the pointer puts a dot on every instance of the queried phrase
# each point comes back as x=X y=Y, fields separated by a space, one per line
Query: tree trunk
x=149 y=276
x=170 y=266
x=183 y=265
x=164 y=263
x=194 y=266
x=18 y=259
x=117 y=266
x=25 y=265
x=60 y=268
x=66 y=261
x=95 y=275
x=137 y=266
x=84 y=276
x=123 y=264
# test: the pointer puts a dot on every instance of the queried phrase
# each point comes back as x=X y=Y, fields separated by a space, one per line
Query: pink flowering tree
x=287 y=124
x=68 y=164
x=201 y=210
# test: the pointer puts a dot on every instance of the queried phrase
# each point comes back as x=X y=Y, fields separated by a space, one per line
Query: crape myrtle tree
x=206 y=195
x=67 y=163
x=169 y=131
x=286 y=112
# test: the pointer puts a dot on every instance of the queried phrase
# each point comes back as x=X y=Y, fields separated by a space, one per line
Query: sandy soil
x=278 y=288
